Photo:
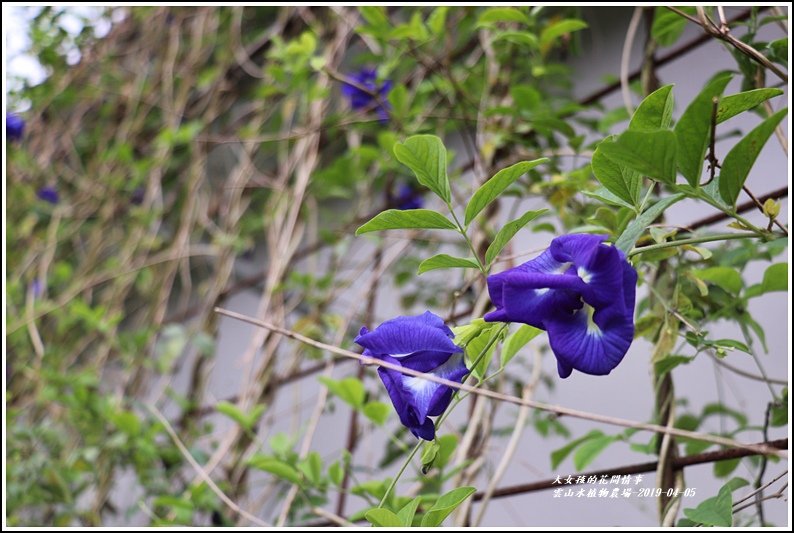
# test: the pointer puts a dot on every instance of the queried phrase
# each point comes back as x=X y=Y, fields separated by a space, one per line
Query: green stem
x=441 y=418
x=399 y=474
x=462 y=231
x=694 y=240
x=730 y=212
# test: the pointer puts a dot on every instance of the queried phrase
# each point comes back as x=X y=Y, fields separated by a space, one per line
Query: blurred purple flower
x=409 y=197
x=360 y=99
x=15 y=127
x=137 y=196
x=422 y=343
x=581 y=291
x=35 y=288
x=48 y=194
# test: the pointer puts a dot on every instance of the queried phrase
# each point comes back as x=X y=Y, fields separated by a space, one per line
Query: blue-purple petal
x=594 y=350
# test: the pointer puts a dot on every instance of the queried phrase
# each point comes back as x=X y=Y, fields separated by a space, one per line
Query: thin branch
x=746 y=374
x=661 y=61
x=200 y=471
x=641 y=468
x=625 y=59
x=575 y=413
x=724 y=34
x=741 y=208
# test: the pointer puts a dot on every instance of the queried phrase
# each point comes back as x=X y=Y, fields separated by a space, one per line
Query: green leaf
x=383 y=518
x=437 y=19
x=427 y=157
x=732 y=105
x=350 y=390
x=476 y=346
x=633 y=231
x=375 y=16
x=665 y=365
x=724 y=277
x=516 y=341
x=276 y=467
x=336 y=473
x=557 y=29
x=501 y=14
x=693 y=130
x=429 y=454
x=126 y=421
x=398 y=98
x=446 y=261
x=607 y=196
x=507 y=232
x=715 y=511
x=668 y=25
x=655 y=111
x=312 y=468
x=778 y=414
x=588 y=451
x=775 y=278
x=651 y=153
x=491 y=189
x=737 y=164
x=407 y=513
x=233 y=412
x=618 y=179
x=378 y=412
x=559 y=455
x=464 y=334
x=518 y=37
x=445 y=505
x=406 y=219
x=447 y=446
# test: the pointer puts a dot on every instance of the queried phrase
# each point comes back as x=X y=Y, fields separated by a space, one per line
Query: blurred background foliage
x=186 y=140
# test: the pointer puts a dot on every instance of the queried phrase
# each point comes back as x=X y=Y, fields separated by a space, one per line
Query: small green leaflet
x=636 y=228
x=733 y=104
x=507 y=232
x=737 y=164
x=491 y=189
x=446 y=261
x=655 y=111
x=406 y=219
x=651 y=153
x=427 y=157
x=516 y=341
x=445 y=505
x=693 y=130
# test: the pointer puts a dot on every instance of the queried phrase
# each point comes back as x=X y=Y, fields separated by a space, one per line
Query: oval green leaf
x=446 y=261
x=406 y=219
x=427 y=157
x=491 y=189
x=507 y=232
x=740 y=159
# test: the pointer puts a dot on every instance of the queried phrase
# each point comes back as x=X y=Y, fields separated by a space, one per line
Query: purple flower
x=422 y=343
x=360 y=99
x=581 y=291
x=409 y=198
x=15 y=127
x=35 y=288
x=48 y=194
x=138 y=195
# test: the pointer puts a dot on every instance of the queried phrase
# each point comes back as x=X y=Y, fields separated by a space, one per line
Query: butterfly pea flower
x=408 y=198
x=360 y=99
x=15 y=127
x=48 y=194
x=581 y=291
x=425 y=344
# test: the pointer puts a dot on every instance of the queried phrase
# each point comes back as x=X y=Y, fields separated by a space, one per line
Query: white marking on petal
x=541 y=291
x=592 y=327
x=584 y=274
